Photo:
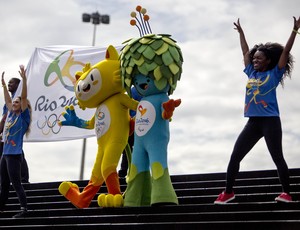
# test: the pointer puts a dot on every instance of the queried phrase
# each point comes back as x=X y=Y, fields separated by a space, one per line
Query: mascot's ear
x=112 y=53
x=78 y=75
x=86 y=68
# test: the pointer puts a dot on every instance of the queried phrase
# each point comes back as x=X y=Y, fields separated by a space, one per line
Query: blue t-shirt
x=15 y=128
x=260 y=99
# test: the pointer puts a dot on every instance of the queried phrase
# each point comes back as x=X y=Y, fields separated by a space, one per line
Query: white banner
x=50 y=80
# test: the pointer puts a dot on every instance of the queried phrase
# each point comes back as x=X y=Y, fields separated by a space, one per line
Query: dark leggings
x=10 y=168
x=24 y=166
x=256 y=128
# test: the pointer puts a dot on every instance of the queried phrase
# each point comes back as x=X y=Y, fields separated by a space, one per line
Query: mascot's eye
x=92 y=77
x=148 y=80
x=78 y=88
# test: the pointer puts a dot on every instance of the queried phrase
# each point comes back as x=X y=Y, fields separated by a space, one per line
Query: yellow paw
x=109 y=200
x=65 y=186
x=101 y=200
x=118 y=200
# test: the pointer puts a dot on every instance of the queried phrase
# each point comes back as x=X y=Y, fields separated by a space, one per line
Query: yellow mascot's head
x=94 y=84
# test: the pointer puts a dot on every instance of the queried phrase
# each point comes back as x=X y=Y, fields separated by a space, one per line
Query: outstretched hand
x=296 y=23
x=71 y=118
x=2 y=79
x=22 y=72
x=238 y=26
x=169 y=108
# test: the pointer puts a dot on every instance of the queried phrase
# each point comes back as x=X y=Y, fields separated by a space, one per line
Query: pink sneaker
x=224 y=197
x=284 y=197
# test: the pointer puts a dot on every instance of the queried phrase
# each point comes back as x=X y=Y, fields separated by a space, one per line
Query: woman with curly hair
x=266 y=65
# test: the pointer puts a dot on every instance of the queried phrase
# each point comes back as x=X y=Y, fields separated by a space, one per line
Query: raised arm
x=24 y=102
x=7 y=98
x=286 y=51
x=243 y=42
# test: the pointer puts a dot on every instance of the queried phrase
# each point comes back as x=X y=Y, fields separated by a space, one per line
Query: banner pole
x=84 y=139
x=82 y=159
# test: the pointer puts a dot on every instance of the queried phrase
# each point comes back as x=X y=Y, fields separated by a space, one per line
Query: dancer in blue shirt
x=12 y=87
x=17 y=125
x=266 y=66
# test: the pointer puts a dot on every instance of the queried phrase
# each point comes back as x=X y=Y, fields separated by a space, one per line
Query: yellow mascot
x=100 y=87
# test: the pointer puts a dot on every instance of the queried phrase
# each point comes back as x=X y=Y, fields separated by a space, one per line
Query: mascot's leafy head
x=154 y=55
x=98 y=82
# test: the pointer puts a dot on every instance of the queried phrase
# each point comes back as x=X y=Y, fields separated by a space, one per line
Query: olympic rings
x=49 y=124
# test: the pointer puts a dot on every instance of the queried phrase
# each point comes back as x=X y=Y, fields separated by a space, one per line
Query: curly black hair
x=273 y=52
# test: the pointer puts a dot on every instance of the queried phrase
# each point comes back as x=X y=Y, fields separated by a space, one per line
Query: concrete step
x=254 y=206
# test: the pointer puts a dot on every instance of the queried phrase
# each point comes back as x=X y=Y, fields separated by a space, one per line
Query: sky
x=205 y=126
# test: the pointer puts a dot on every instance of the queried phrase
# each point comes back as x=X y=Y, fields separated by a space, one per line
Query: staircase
x=253 y=208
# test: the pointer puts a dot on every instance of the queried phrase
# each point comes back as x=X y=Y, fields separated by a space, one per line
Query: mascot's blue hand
x=71 y=118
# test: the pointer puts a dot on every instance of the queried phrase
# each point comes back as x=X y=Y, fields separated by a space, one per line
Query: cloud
x=206 y=125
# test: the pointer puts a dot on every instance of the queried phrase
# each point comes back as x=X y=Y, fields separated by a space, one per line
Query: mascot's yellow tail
x=77 y=198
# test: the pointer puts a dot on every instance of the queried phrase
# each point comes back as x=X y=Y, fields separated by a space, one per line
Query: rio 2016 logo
x=62 y=73
x=49 y=123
